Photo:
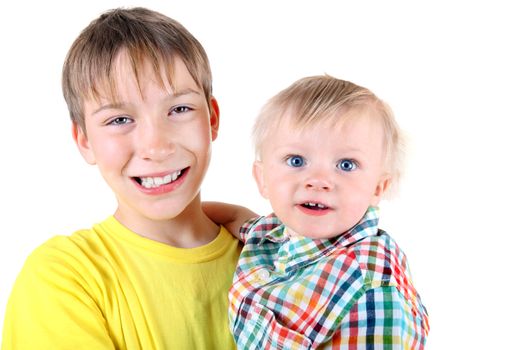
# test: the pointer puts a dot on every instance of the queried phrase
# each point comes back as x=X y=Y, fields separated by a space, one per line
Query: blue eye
x=295 y=161
x=120 y=121
x=347 y=165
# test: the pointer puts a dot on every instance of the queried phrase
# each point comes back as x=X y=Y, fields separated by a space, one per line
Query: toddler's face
x=321 y=179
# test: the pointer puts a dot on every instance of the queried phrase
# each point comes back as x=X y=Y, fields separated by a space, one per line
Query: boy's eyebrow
x=118 y=105
x=185 y=92
x=108 y=106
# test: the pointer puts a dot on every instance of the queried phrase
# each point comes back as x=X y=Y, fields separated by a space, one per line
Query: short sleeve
x=381 y=318
x=50 y=307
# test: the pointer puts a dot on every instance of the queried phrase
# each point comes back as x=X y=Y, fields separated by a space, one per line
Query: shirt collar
x=297 y=251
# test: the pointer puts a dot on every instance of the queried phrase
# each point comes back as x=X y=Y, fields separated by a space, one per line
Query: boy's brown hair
x=147 y=37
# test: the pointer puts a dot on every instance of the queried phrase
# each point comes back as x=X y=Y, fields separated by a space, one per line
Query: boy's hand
x=230 y=216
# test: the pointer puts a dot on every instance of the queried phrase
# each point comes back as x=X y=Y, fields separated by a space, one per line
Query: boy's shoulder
x=76 y=253
x=76 y=242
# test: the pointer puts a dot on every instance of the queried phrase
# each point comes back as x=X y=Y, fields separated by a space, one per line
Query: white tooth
x=147 y=182
x=150 y=182
x=315 y=205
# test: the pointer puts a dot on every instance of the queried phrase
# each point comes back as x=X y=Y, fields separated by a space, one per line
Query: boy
x=155 y=275
x=318 y=273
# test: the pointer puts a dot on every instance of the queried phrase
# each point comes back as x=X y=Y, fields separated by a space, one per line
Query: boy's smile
x=151 y=143
x=321 y=178
x=160 y=183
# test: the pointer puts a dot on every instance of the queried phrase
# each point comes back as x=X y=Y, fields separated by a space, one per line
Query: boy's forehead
x=128 y=73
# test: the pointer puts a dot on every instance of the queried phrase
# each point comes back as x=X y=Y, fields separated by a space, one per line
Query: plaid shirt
x=352 y=291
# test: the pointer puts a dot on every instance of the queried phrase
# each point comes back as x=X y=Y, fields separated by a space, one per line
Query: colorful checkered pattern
x=353 y=291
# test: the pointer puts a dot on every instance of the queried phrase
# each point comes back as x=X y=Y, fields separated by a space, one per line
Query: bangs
x=145 y=38
x=102 y=79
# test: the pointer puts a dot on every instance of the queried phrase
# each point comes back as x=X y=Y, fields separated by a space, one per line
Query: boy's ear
x=258 y=174
x=83 y=144
x=382 y=186
x=214 y=118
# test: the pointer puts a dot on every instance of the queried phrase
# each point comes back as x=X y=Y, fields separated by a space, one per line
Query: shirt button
x=264 y=274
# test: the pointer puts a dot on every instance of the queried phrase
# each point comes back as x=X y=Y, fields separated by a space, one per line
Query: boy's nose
x=155 y=144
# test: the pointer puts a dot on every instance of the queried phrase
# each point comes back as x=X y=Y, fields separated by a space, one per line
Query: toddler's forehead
x=349 y=126
x=330 y=120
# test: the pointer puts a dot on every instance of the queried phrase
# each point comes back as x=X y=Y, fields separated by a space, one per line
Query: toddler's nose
x=318 y=183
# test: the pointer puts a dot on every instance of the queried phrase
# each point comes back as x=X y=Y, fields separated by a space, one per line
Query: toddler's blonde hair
x=316 y=99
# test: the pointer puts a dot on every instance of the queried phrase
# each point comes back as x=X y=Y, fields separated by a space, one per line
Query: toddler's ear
x=83 y=144
x=258 y=174
x=382 y=186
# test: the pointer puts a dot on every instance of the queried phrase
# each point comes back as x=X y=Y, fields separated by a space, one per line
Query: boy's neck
x=190 y=229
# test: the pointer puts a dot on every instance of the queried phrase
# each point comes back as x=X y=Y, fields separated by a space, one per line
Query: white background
x=453 y=73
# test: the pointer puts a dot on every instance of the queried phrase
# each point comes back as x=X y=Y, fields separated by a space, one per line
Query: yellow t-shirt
x=109 y=288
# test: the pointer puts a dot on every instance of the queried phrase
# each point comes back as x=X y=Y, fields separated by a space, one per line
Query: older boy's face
x=152 y=146
x=320 y=180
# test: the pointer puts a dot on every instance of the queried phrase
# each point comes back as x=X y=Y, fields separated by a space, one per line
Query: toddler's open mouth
x=314 y=206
